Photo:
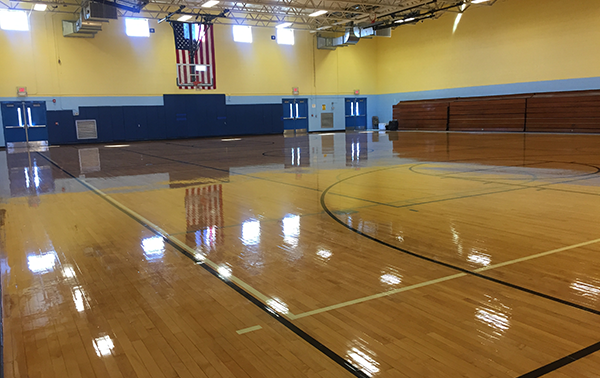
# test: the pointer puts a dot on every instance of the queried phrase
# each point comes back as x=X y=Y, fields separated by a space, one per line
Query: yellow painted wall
x=512 y=41
x=112 y=64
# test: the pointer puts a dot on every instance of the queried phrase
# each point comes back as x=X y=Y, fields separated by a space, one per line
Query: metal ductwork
x=351 y=37
x=93 y=15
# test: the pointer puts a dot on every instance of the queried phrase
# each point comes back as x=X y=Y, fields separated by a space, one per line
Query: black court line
x=445 y=264
x=562 y=362
x=283 y=321
x=536 y=373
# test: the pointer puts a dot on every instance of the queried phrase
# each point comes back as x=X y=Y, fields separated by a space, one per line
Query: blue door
x=295 y=113
x=356 y=113
x=24 y=121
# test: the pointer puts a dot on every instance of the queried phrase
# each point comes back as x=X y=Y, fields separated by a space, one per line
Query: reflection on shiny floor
x=372 y=254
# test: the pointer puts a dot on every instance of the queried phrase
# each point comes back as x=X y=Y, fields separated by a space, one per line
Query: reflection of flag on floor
x=194 y=45
x=204 y=215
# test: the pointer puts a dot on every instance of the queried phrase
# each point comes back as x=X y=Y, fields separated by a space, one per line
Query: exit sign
x=22 y=91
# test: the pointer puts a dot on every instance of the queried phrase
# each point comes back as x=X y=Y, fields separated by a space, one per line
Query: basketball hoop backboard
x=197 y=76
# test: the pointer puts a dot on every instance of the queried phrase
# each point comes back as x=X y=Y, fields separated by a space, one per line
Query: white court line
x=249 y=329
x=536 y=255
x=379 y=295
x=200 y=258
x=443 y=279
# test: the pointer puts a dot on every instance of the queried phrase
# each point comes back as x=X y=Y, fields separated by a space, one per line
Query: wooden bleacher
x=546 y=112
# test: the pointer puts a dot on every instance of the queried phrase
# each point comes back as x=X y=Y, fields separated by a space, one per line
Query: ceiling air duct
x=351 y=37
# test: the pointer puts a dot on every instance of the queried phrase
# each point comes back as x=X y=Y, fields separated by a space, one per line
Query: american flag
x=194 y=45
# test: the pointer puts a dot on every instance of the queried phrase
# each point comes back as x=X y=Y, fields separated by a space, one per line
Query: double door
x=24 y=122
x=295 y=113
x=356 y=113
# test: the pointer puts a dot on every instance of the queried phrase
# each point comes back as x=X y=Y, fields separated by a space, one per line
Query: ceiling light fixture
x=40 y=7
x=317 y=13
x=185 y=17
x=284 y=25
x=209 y=4
x=405 y=20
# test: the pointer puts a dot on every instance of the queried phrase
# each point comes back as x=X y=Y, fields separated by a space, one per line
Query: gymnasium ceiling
x=340 y=14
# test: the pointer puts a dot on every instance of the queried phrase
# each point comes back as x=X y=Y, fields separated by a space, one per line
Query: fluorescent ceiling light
x=405 y=20
x=342 y=22
x=209 y=4
x=324 y=27
x=185 y=17
x=478 y=1
x=317 y=13
x=40 y=7
x=284 y=25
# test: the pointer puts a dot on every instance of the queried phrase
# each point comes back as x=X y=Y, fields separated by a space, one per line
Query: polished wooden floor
x=386 y=254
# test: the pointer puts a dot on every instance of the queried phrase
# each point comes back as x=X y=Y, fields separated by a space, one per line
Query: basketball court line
x=246 y=290
x=442 y=279
x=239 y=286
x=441 y=263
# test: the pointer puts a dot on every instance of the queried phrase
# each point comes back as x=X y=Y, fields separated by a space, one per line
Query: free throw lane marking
x=249 y=329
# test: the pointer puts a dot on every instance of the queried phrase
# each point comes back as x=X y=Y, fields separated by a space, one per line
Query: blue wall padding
x=182 y=116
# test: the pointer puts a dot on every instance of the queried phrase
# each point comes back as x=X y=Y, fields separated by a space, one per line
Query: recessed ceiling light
x=185 y=17
x=209 y=4
x=317 y=13
x=40 y=7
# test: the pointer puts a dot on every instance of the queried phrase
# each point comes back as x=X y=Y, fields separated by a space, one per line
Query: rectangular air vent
x=86 y=129
x=326 y=120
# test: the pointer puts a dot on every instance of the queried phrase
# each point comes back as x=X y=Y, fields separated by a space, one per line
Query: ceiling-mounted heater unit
x=93 y=11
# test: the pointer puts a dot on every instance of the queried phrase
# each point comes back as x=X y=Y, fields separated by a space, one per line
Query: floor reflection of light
x=68 y=271
x=291 y=229
x=79 y=298
x=390 y=279
x=495 y=319
x=251 y=232
x=278 y=305
x=367 y=364
x=42 y=263
x=224 y=271
x=324 y=254
x=36 y=175
x=154 y=247
x=206 y=237
x=479 y=258
x=586 y=289
x=103 y=346
x=27 y=183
